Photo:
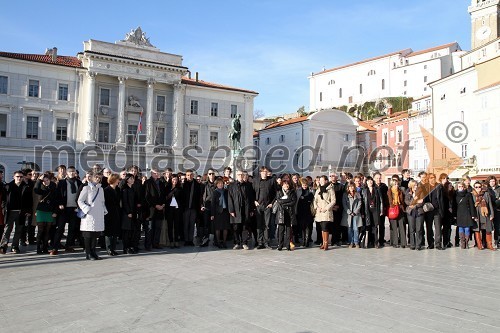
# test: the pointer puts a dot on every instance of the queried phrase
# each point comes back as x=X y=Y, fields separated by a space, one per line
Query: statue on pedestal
x=235 y=134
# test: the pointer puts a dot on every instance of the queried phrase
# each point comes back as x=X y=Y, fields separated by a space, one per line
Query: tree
x=257 y=113
x=302 y=111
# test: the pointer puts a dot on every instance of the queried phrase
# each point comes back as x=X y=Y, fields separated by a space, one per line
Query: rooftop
x=67 y=61
x=201 y=83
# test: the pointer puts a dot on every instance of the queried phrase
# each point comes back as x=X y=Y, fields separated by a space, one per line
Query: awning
x=458 y=174
x=484 y=176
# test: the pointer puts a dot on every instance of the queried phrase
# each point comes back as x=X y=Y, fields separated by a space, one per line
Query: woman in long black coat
x=286 y=199
x=174 y=210
x=130 y=225
x=112 y=220
x=374 y=208
x=305 y=219
x=466 y=214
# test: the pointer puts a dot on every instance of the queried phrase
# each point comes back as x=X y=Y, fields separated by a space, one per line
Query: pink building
x=392 y=144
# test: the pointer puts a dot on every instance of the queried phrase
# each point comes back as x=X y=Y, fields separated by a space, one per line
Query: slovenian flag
x=139 y=126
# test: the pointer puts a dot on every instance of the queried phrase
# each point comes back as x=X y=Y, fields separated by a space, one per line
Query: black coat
x=112 y=220
x=465 y=209
x=240 y=201
x=195 y=203
x=18 y=197
x=304 y=201
x=177 y=193
x=129 y=206
x=287 y=207
x=215 y=207
x=62 y=191
x=375 y=206
x=383 y=189
x=436 y=199
x=154 y=195
x=47 y=194
x=265 y=190
x=208 y=191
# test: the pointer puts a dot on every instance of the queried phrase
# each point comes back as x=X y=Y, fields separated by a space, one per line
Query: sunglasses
x=211 y=173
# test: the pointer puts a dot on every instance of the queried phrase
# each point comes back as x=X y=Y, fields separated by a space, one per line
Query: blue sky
x=267 y=46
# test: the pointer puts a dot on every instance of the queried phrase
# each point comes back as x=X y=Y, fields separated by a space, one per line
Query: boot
x=39 y=248
x=325 y=240
x=479 y=241
x=86 y=242
x=467 y=241
x=93 y=245
x=462 y=240
x=489 y=241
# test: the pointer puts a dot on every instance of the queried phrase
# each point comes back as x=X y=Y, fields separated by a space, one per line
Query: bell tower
x=485 y=21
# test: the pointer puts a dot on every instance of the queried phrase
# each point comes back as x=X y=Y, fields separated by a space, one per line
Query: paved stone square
x=212 y=290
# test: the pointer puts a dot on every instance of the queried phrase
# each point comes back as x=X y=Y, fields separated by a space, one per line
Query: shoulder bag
x=79 y=212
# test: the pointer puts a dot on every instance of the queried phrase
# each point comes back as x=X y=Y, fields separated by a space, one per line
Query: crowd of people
x=104 y=209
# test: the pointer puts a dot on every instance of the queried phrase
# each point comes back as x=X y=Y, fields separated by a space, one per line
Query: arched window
x=394 y=160
x=383 y=84
x=400 y=163
x=340 y=92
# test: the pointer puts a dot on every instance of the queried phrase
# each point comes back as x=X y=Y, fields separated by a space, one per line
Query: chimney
x=189 y=74
x=54 y=54
x=196 y=76
x=389 y=111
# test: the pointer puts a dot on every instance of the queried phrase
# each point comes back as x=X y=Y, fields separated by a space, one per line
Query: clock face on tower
x=483 y=32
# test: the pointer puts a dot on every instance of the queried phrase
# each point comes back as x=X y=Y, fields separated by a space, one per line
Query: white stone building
x=310 y=145
x=420 y=116
x=402 y=73
x=472 y=96
x=93 y=102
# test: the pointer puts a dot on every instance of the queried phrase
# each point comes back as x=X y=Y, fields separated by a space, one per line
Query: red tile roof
x=394 y=117
x=366 y=125
x=201 y=83
x=286 y=122
x=66 y=61
x=445 y=46
x=366 y=60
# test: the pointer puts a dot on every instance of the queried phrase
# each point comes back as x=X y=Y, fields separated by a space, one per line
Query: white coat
x=94 y=221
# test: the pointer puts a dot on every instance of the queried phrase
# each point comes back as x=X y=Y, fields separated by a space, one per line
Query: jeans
x=464 y=230
x=263 y=215
x=14 y=220
x=353 y=235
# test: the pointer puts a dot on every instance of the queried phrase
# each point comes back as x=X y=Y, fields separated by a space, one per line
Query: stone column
x=90 y=131
x=149 y=113
x=120 y=126
x=247 y=120
x=178 y=121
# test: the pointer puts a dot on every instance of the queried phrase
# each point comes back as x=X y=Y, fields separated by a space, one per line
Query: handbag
x=79 y=212
x=428 y=207
x=393 y=212
x=313 y=211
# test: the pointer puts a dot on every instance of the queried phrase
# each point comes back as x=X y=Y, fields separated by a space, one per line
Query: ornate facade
x=125 y=101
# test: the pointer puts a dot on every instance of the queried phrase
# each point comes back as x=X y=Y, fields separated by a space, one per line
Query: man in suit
x=66 y=197
x=155 y=196
x=265 y=191
x=192 y=198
